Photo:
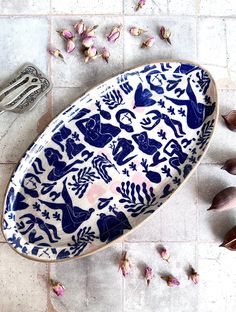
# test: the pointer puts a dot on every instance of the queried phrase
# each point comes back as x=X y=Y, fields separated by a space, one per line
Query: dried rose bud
x=148 y=43
x=125 y=265
x=80 y=28
x=115 y=33
x=66 y=34
x=90 y=32
x=58 y=288
x=105 y=54
x=224 y=200
x=165 y=34
x=135 y=31
x=230 y=166
x=194 y=276
x=56 y=53
x=88 y=41
x=70 y=46
x=171 y=281
x=140 y=4
x=230 y=120
x=149 y=275
x=165 y=254
x=230 y=239
x=90 y=54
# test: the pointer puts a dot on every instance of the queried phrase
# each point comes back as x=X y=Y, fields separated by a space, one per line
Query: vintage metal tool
x=24 y=91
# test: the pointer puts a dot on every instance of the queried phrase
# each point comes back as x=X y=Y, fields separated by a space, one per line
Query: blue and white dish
x=109 y=161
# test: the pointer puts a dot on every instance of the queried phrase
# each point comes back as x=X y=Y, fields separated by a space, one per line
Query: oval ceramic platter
x=109 y=161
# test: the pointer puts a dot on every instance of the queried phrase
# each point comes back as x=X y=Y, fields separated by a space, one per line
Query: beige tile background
x=203 y=31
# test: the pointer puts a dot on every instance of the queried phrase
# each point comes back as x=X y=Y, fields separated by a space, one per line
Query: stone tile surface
x=93 y=284
x=160 y=49
x=202 y=31
x=25 y=7
x=76 y=73
x=87 y=7
x=23 y=284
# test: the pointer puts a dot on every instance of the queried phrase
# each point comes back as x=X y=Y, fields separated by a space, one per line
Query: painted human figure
x=61 y=168
x=112 y=226
x=124 y=117
x=177 y=156
x=60 y=136
x=72 y=216
x=73 y=149
x=121 y=150
x=96 y=133
x=148 y=146
x=196 y=112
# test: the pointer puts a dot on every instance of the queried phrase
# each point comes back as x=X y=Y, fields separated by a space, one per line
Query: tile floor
x=203 y=31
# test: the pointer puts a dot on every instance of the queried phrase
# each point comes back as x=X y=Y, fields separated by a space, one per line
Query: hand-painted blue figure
x=175 y=125
x=73 y=149
x=15 y=201
x=124 y=118
x=96 y=133
x=142 y=97
x=60 y=167
x=60 y=136
x=196 y=112
x=120 y=152
x=185 y=69
x=72 y=216
x=112 y=226
x=177 y=156
x=45 y=227
x=148 y=146
x=154 y=79
x=30 y=184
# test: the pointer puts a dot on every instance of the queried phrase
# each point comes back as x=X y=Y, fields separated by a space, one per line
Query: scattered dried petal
x=115 y=33
x=88 y=41
x=165 y=34
x=135 y=31
x=230 y=120
x=230 y=166
x=58 y=288
x=165 y=254
x=230 y=239
x=194 y=276
x=80 y=27
x=148 y=43
x=140 y=4
x=149 y=275
x=66 y=34
x=171 y=281
x=56 y=53
x=125 y=265
x=70 y=46
x=224 y=200
x=105 y=54
x=90 y=54
x=90 y=32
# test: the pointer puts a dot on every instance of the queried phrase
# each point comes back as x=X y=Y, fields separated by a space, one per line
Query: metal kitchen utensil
x=24 y=91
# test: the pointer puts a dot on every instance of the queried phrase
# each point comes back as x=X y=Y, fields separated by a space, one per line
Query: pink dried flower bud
x=70 y=46
x=165 y=34
x=171 y=281
x=90 y=31
x=56 y=53
x=88 y=41
x=80 y=28
x=90 y=53
x=125 y=265
x=58 y=288
x=165 y=254
x=115 y=33
x=135 y=31
x=105 y=54
x=194 y=276
x=148 y=43
x=140 y=4
x=66 y=34
x=149 y=275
